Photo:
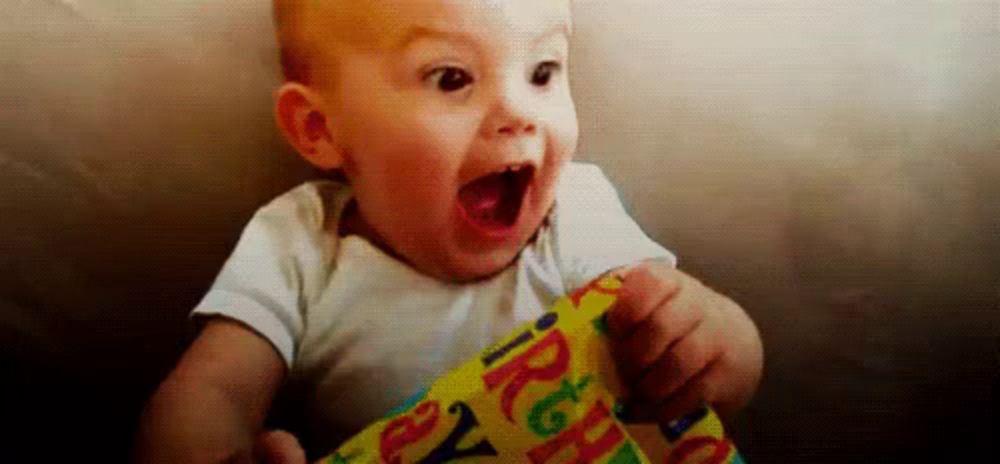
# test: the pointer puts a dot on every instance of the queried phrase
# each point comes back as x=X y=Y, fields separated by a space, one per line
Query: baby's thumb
x=279 y=447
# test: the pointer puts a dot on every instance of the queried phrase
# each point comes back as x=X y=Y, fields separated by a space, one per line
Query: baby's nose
x=511 y=115
x=516 y=126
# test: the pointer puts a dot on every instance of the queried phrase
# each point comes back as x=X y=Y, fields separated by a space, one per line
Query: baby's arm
x=212 y=406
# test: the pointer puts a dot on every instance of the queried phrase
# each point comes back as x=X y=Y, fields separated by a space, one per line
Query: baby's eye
x=450 y=79
x=544 y=71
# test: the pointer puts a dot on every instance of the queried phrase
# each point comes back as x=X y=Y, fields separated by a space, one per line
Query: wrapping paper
x=545 y=394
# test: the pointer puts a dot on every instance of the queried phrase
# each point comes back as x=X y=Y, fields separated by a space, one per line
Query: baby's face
x=454 y=118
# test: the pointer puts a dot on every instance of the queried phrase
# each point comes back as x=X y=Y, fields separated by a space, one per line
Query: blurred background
x=832 y=165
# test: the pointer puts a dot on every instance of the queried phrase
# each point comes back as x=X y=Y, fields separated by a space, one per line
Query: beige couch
x=835 y=166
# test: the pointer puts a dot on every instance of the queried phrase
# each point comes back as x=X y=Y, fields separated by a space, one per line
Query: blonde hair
x=295 y=46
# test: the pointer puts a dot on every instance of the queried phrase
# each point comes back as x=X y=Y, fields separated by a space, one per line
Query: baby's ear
x=303 y=120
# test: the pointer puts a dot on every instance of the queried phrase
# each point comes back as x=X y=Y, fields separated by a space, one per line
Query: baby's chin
x=467 y=267
x=478 y=267
x=463 y=266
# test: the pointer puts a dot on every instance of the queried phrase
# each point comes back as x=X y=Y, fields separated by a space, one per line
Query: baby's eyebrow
x=424 y=32
x=566 y=29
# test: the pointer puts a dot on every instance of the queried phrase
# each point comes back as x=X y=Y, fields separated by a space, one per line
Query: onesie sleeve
x=592 y=231
x=262 y=284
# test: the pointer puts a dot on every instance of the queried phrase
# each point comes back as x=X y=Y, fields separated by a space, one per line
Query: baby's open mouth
x=494 y=201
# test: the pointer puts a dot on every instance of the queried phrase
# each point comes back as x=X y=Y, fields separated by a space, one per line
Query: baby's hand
x=278 y=447
x=679 y=345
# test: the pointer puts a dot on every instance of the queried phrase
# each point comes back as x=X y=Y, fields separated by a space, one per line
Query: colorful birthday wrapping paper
x=545 y=394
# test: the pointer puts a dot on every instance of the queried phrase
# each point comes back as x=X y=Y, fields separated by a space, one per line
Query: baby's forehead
x=382 y=23
x=373 y=22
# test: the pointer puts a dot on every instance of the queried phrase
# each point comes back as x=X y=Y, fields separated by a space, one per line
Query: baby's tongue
x=488 y=200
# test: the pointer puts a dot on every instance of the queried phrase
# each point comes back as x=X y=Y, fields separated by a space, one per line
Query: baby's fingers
x=681 y=363
x=279 y=447
x=648 y=342
x=644 y=288
x=697 y=392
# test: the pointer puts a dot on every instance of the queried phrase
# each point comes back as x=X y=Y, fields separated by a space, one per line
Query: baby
x=458 y=216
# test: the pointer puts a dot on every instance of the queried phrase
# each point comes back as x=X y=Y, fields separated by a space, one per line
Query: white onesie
x=364 y=331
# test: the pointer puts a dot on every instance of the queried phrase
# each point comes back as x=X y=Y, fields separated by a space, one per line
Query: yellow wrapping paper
x=545 y=394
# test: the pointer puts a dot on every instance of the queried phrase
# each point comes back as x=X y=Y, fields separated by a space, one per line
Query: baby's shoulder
x=313 y=206
x=578 y=174
x=298 y=228
x=583 y=191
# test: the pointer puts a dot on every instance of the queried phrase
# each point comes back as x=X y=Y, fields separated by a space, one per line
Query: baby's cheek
x=564 y=131
x=449 y=127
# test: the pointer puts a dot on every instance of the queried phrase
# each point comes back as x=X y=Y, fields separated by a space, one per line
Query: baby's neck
x=353 y=223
